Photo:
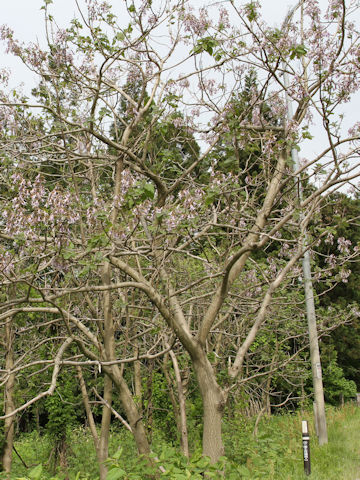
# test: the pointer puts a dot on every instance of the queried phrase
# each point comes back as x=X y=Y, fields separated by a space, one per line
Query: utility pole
x=319 y=405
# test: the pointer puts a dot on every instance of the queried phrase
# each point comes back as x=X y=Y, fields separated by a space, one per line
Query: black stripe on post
x=306 y=447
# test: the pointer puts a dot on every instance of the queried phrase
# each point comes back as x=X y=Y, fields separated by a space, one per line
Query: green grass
x=274 y=454
x=340 y=458
x=278 y=455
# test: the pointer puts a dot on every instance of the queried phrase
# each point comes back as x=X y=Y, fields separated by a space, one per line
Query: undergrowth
x=274 y=453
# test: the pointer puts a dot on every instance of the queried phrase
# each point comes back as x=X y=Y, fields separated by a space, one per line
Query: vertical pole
x=320 y=419
x=306 y=447
x=314 y=353
x=316 y=419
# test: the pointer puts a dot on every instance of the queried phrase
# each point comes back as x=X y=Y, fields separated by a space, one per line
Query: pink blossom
x=331 y=260
x=329 y=238
x=344 y=275
x=178 y=122
x=197 y=24
x=343 y=245
x=224 y=22
x=354 y=130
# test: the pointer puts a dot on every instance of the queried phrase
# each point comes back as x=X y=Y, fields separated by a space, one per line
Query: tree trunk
x=137 y=378
x=89 y=415
x=105 y=428
x=170 y=384
x=213 y=407
x=131 y=410
x=149 y=401
x=61 y=455
x=130 y=407
x=9 y=398
x=182 y=407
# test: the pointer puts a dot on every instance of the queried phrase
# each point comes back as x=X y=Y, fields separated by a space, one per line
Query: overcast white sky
x=26 y=18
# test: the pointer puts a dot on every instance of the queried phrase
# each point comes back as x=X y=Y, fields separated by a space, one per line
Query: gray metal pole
x=320 y=419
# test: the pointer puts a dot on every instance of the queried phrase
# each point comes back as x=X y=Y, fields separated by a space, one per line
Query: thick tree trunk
x=9 y=398
x=213 y=407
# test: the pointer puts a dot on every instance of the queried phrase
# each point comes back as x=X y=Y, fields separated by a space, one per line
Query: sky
x=26 y=18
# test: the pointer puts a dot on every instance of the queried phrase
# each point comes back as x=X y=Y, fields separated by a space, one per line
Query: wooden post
x=306 y=447
x=358 y=399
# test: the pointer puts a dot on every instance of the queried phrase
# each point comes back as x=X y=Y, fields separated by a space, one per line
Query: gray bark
x=182 y=406
x=105 y=428
x=86 y=402
x=213 y=407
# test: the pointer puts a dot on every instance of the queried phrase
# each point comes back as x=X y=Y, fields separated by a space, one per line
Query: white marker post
x=306 y=447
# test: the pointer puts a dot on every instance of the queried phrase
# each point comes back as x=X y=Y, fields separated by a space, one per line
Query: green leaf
x=69 y=252
x=36 y=472
x=245 y=472
x=149 y=190
x=202 y=463
x=120 y=36
x=118 y=453
x=132 y=8
x=298 y=51
x=104 y=112
x=206 y=44
x=115 y=473
x=307 y=134
x=251 y=11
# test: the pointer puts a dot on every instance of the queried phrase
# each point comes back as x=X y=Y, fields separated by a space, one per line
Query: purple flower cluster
x=344 y=245
x=197 y=23
x=35 y=210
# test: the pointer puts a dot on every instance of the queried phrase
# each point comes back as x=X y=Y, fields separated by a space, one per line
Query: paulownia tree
x=121 y=228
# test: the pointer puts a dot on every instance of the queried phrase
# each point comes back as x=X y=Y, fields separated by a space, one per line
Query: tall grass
x=276 y=453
